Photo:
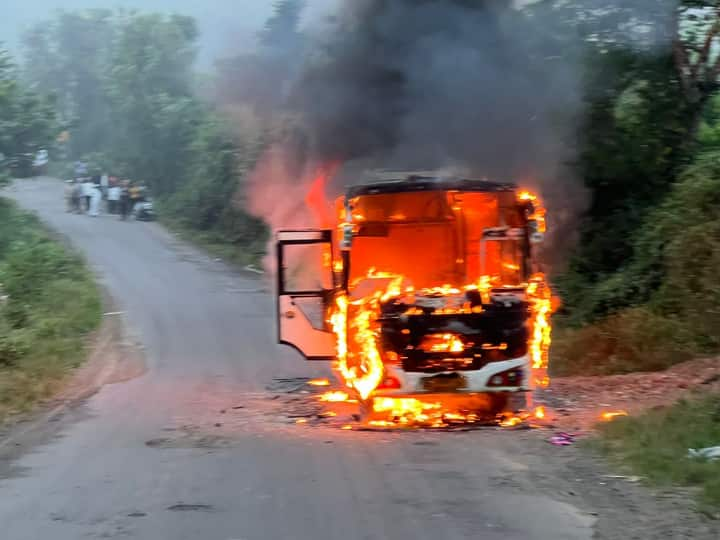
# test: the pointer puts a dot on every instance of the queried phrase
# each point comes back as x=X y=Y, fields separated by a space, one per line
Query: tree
x=696 y=50
x=134 y=74
x=67 y=56
x=148 y=81
x=27 y=122
x=281 y=34
x=262 y=79
x=687 y=30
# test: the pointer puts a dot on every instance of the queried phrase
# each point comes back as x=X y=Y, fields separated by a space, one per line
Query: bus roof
x=414 y=183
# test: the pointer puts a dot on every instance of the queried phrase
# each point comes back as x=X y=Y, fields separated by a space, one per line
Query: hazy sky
x=226 y=25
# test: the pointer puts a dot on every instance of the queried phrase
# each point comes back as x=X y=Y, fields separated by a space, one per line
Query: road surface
x=166 y=456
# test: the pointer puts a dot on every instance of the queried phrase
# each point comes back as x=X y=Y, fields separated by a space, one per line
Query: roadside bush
x=635 y=339
x=672 y=281
x=205 y=205
x=49 y=304
x=14 y=344
x=31 y=264
x=16 y=225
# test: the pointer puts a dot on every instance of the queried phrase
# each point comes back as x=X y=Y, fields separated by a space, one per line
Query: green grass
x=655 y=446
x=50 y=304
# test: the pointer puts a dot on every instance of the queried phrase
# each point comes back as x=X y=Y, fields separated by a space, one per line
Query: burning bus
x=425 y=286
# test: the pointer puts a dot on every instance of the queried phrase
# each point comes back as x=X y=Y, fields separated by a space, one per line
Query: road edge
x=112 y=358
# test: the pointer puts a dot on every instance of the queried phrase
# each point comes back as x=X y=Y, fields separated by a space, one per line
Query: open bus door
x=305 y=291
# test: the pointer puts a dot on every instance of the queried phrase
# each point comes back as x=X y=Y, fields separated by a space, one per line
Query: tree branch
x=707 y=45
x=682 y=65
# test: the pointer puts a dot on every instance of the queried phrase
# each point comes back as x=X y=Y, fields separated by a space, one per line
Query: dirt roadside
x=626 y=508
x=577 y=402
x=623 y=507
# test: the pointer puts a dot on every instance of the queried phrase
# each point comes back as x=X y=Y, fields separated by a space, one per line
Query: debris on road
x=611 y=415
x=563 y=439
x=631 y=479
x=711 y=453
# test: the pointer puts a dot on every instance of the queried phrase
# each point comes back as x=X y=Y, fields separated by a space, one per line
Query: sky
x=227 y=26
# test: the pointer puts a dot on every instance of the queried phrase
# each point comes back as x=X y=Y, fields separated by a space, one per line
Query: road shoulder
x=113 y=358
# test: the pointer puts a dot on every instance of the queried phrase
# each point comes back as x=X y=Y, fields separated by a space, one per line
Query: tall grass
x=655 y=446
x=49 y=303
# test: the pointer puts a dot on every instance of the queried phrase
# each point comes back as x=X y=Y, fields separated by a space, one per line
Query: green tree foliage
x=145 y=121
x=641 y=290
x=633 y=146
x=124 y=86
x=261 y=79
x=27 y=122
x=682 y=239
x=281 y=34
x=644 y=105
x=67 y=56
x=207 y=201
x=148 y=85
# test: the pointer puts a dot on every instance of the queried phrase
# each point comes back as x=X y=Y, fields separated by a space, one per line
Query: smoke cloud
x=473 y=86
x=433 y=83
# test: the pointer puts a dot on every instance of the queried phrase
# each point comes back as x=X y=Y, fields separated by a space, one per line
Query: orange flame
x=335 y=397
x=408 y=412
x=611 y=415
x=368 y=369
x=354 y=322
x=511 y=421
x=539 y=214
x=541 y=336
x=445 y=343
x=405 y=410
x=316 y=198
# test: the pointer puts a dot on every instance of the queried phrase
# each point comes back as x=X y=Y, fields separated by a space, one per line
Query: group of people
x=84 y=195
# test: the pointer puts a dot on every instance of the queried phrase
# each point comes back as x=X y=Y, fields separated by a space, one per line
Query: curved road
x=166 y=456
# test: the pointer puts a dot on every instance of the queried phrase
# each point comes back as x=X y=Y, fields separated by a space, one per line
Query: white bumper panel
x=477 y=381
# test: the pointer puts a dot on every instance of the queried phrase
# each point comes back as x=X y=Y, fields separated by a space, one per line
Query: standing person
x=80 y=169
x=124 y=199
x=69 y=193
x=135 y=192
x=76 y=197
x=104 y=184
x=113 y=196
x=87 y=190
x=95 y=198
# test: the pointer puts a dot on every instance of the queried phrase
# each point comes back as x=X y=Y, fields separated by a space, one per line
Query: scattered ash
x=218 y=415
x=302 y=403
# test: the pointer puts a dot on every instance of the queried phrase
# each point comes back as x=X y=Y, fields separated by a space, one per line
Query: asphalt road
x=155 y=458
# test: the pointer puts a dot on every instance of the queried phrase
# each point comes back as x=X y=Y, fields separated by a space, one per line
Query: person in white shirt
x=87 y=191
x=80 y=169
x=104 y=185
x=113 y=198
x=95 y=198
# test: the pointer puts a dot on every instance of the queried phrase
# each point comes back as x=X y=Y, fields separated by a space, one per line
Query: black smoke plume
x=478 y=85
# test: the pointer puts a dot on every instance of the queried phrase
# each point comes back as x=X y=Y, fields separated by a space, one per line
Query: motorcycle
x=144 y=211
